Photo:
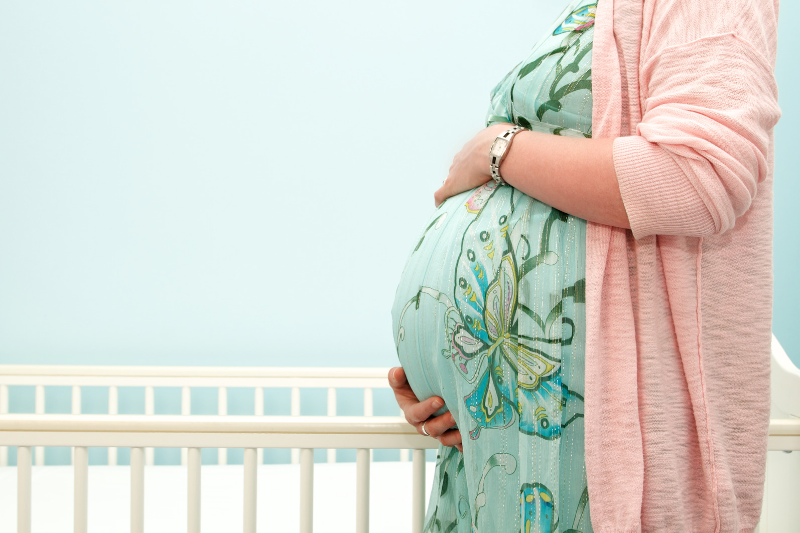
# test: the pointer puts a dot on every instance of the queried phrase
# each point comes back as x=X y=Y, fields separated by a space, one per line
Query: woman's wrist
x=490 y=134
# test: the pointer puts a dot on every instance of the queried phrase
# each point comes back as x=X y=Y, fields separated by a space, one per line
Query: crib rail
x=248 y=432
x=175 y=431
x=194 y=376
x=221 y=378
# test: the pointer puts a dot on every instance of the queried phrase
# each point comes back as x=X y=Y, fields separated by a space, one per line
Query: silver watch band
x=498 y=152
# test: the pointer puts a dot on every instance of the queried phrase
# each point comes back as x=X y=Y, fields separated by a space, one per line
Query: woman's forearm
x=573 y=175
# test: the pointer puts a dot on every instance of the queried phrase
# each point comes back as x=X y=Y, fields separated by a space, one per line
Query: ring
x=424 y=432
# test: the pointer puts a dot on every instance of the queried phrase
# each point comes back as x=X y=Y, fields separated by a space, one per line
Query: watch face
x=499 y=147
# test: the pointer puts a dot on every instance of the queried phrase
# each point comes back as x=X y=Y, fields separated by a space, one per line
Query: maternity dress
x=489 y=315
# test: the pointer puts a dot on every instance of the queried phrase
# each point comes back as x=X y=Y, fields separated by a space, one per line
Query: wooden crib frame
x=31 y=432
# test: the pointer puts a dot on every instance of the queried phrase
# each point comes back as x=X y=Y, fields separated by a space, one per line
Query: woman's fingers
x=402 y=390
x=438 y=426
x=422 y=411
x=441 y=194
x=415 y=411
x=451 y=437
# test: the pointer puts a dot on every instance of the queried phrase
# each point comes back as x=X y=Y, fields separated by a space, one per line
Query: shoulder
x=670 y=24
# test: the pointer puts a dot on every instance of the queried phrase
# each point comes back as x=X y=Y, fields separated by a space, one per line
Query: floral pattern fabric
x=489 y=315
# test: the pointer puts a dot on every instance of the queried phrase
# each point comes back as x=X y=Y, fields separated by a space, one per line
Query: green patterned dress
x=489 y=315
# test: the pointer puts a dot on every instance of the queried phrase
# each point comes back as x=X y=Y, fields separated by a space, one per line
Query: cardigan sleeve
x=703 y=145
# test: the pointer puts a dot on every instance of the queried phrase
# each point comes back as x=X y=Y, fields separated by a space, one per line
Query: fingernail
x=437 y=404
x=394 y=373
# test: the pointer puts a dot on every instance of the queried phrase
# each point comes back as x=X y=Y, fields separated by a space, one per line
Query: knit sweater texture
x=679 y=308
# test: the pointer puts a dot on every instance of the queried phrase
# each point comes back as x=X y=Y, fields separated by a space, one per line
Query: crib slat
x=306 y=490
x=222 y=410
x=331 y=412
x=149 y=400
x=149 y=409
x=137 y=490
x=113 y=408
x=259 y=411
x=403 y=453
x=295 y=412
x=39 y=401
x=39 y=408
x=258 y=408
x=76 y=400
x=186 y=410
x=194 y=491
x=81 y=467
x=76 y=407
x=331 y=401
x=250 y=489
x=369 y=405
x=186 y=401
x=418 y=497
x=362 y=490
x=24 y=489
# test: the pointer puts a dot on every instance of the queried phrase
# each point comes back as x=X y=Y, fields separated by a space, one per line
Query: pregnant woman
x=584 y=322
x=489 y=315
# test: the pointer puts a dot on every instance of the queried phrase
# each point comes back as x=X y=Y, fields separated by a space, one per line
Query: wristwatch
x=498 y=151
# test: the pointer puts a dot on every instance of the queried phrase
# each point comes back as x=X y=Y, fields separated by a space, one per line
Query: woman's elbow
x=688 y=196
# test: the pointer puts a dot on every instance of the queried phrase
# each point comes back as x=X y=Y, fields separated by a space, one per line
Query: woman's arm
x=573 y=175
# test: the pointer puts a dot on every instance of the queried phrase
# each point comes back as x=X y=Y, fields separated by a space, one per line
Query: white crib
x=31 y=432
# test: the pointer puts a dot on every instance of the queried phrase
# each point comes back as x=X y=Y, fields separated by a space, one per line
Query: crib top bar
x=784 y=427
x=211 y=431
x=249 y=431
x=196 y=376
x=207 y=423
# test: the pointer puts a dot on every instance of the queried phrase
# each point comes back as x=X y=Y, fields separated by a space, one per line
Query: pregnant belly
x=487 y=302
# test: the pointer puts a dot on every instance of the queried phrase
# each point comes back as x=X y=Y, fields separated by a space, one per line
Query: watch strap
x=495 y=159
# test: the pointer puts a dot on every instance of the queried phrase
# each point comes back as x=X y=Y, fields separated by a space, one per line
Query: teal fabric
x=489 y=315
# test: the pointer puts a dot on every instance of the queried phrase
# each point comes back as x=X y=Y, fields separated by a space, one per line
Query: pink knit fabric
x=679 y=308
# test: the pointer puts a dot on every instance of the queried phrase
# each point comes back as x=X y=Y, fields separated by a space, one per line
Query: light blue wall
x=786 y=253
x=239 y=183
x=205 y=183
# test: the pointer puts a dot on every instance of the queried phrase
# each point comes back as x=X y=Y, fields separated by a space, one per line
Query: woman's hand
x=418 y=412
x=470 y=168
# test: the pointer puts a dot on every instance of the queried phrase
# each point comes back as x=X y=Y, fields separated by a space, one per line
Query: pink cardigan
x=679 y=308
